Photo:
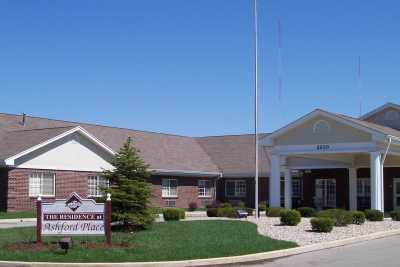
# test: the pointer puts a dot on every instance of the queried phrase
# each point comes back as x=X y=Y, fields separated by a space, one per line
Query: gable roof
x=366 y=126
x=379 y=109
x=234 y=154
x=161 y=151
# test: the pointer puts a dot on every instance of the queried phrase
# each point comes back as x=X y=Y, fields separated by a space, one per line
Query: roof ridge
x=96 y=124
x=228 y=135
x=42 y=129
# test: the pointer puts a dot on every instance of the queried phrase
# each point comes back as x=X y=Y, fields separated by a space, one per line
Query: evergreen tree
x=130 y=191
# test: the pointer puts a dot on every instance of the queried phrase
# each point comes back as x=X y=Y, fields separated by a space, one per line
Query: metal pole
x=107 y=220
x=39 y=220
x=256 y=104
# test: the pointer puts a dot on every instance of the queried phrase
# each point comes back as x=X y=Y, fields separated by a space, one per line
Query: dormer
x=387 y=115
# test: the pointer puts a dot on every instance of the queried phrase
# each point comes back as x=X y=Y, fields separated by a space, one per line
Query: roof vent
x=23 y=121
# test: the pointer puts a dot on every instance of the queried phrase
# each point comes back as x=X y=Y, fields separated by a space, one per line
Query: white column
x=353 y=188
x=288 y=188
x=275 y=182
x=376 y=181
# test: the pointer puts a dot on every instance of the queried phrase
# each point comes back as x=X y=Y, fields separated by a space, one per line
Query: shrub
x=213 y=204
x=274 y=212
x=395 y=215
x=212 y=212
x=193 y=206
x=307 y=212
x=358 y=217
x=240 y=204
x=262 y=206
x=373 y=215
x=290 y=217
x=173 y=214
x=225 y=205
x=249 y=211
x=227 y=212
x=322 y=224
x=339 y=217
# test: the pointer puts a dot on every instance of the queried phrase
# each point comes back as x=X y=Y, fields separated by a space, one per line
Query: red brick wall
x=74 y=181
x=66 y=182
x=187 y=192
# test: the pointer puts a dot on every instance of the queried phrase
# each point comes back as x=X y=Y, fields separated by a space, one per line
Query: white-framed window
x=96 y=185
x=169 y=188
x=42 y=183
x=235 y=188
x=205 y=188
x=363 y=187
x=296 y=188
x=321 y=127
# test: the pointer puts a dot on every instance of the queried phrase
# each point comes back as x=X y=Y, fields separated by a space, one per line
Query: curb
x=250 y=258
x=17 y=220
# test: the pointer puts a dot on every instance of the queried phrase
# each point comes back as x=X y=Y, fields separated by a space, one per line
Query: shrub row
x=227 y=210
x=173 y=214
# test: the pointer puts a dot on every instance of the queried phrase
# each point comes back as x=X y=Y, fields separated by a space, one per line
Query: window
x=169 y=188
x=363 y=187
x=205 y=188
x=42 y=183
x=96 y=185
x=296 y=188
x=321 y=127
x=235 y=188
x=170 y=203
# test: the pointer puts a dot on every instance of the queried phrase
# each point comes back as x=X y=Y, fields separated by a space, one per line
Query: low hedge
x=225 y=205
x=358 y=217
x=307 y=212
x=374 y=215
x=339 y=217
x=173 y=214
x=395 y=215
x=227 y=212
x=290 y=217
x=212 y=212
x=262 y=206
x=274 y=212
x=322 y=224
x=249 y=211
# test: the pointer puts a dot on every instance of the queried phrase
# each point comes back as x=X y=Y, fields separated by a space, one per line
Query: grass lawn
x=163 y=242
x=18 y=214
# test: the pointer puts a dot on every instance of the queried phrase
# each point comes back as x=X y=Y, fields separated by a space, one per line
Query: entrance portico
x=326 y=141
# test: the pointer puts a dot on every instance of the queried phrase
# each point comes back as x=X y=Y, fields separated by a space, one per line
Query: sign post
x=108 y=219
x=73 y=216
x=39 y=220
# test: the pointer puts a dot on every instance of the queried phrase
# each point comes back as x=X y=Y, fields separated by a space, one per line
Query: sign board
x=73 y=216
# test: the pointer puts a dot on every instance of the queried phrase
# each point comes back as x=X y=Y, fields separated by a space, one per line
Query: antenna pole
x=256 y=104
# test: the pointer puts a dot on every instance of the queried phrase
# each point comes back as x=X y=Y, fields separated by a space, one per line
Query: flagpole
x=256 y=104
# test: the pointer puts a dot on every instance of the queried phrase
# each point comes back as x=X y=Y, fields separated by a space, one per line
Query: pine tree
x=130 y=191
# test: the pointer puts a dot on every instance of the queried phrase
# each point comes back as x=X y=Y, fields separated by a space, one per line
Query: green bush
x=322 y=224
x=262 y=206
x=358 y=217
x=212 y=212
x=340 y=217
x=307 y=212
x=290 y=217
x=240 y=204
x=374 y=215
x=274 y=212
x=227 y=212
x=173 y=214
x=225 y=205
x=395 y=215
x=249 y=211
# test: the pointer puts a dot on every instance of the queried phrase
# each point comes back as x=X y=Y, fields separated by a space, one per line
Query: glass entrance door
x=396 y=193
x=325 y=193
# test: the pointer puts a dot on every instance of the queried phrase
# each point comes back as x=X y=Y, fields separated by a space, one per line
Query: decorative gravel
x=302 y=234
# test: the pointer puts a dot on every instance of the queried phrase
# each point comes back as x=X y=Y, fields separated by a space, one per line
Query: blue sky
x=185 y=67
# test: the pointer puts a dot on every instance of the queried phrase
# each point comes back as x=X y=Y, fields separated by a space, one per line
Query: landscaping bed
x=178 y=240
x=302 y=234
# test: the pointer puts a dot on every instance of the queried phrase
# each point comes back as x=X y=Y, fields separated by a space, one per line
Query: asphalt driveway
x=379 y=252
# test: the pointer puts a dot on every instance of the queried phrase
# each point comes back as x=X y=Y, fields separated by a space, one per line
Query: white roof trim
x=379 y=109
x=10 y=161
x=185 y=172
x=268 y=140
